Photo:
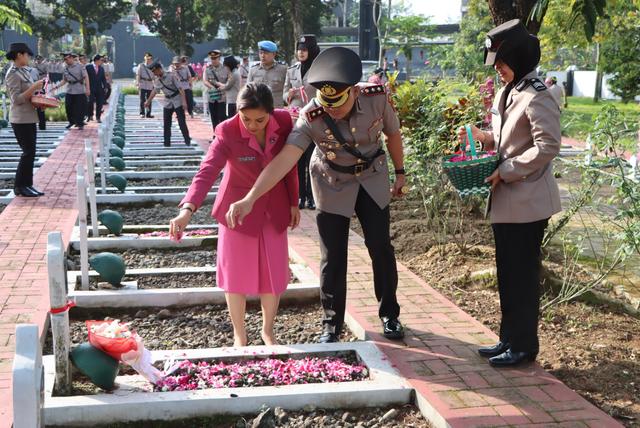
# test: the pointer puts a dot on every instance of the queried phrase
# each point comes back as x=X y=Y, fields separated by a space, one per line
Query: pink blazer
x=238 y=152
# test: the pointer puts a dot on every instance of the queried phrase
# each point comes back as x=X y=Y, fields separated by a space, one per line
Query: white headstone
x=59 y=321
x=103 y=174
x=82 y=223
x=91 y=179
x=28 y=378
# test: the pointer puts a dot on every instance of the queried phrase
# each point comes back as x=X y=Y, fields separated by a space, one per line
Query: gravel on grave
x=6 y=184
x=406 y=416
x=160 y=182
x=156 y=258
x=156 y=213
x=203 y=326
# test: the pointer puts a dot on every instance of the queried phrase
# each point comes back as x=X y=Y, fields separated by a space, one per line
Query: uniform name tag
x=246 y=158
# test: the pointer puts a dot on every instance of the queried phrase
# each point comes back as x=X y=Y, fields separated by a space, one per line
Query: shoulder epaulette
x=314 y=113
x=538 y=85
x=373 y=90
x=255 y=65
x=296 y=65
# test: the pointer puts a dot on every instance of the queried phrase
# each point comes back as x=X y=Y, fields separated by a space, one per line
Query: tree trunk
x=86 y=38
x=297 y=23
x=598 y=92
x=506 y=10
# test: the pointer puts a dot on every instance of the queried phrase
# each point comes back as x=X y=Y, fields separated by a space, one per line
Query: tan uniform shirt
x=217 y=74
x=557 y=93
x=273 y=77
x=168 y=84
x=336 y=192
x=244 y=73
x=18 y=80
x=295 y=80
x=43 y=69
x=528 y=131
x=184 y=77
x=75 y=75
x=144 y=77
x=231 y=86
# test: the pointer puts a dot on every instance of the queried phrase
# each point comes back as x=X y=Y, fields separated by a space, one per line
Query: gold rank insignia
x=314 y=114
x=331 y=155
x=373 y=90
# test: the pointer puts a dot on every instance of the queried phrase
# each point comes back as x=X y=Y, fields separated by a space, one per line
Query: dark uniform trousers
x=334 y=242
x=26 y=134
x=42 y=119
x=218 y=113
x=188 y=93
x=75 y=106
x=518 y=265
x=144 y=95
x=97 y=99
x=182 y=123
x=231 y=109
x=304 y=176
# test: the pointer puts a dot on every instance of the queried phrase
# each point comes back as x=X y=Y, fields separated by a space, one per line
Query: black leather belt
x=356 y=169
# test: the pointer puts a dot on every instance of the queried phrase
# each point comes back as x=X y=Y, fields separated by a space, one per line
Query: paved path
x=24 y=225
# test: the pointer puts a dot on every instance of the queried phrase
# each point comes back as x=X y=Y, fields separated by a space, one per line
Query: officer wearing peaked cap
x=175 y=100
x=349 y=173
x=269 y=71
x=526 y=134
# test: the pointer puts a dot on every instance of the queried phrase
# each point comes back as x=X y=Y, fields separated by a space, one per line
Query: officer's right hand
x=237 y=212
x=178 y=224
x=476 y=133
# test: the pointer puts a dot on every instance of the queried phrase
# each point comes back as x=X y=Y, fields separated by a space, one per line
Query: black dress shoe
x=328 y=337
x=36 y=191
x=311 y=204
x=187 y=143
x=492 y=351
x=25 y=191
x=68 y=126
x=301 y=203
x=392 y=328
x=510 y=358
x=141 y=114
x=150 y=116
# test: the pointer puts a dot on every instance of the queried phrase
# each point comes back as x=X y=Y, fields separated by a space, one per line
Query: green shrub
x=130 y=90
x=197 y=92
x=56 y=114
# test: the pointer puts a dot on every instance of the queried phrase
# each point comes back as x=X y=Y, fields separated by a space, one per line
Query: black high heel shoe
x=25 y=191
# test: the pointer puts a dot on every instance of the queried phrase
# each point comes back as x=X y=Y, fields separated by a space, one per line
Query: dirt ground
x=592 y=349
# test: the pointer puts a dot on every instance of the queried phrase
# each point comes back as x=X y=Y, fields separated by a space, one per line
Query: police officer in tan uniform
x=23 y=117
x=174 y=101
x=346 y=122
x=269 y=71
x=214 y=75
x=77 y=81
x=181 y=72
x=526 y=133
x=144 y=82
x=297 y=93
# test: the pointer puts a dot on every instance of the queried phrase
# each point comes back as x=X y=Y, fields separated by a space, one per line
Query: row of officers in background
x=223 y=78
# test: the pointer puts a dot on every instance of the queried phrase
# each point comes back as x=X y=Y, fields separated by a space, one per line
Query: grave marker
x=28 y=378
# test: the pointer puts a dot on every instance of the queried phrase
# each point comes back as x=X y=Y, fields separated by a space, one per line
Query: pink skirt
x=253 y=264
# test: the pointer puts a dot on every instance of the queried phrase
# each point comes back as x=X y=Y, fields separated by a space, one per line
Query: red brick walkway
x=24 y=225
x=455 y=386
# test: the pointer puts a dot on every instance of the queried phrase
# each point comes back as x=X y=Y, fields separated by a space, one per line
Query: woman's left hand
x=494 y=179
x=295 y=217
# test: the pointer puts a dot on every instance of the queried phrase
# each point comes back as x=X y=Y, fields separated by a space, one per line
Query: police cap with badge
x=333 y=73
x=16 y=48
x=155 y=65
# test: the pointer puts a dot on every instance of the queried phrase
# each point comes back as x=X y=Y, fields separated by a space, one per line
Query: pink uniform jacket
x=238 y=152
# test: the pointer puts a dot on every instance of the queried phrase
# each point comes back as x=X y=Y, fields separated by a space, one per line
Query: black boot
x=510 y=358
x=36 y=191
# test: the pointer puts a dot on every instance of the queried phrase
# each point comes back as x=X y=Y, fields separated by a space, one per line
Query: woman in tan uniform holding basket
x=23 y=116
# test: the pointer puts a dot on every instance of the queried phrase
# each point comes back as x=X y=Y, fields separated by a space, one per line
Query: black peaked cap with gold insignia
x=333 y=72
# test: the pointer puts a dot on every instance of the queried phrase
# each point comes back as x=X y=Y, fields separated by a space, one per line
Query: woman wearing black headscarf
x=526 y=134
x=297 y=93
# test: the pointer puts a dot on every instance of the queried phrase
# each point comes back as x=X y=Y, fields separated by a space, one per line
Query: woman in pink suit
x=252 y=258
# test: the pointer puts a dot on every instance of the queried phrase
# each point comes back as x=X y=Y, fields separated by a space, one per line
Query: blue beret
x=268 y=45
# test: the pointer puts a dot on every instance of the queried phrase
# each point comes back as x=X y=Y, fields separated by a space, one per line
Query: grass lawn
x=577 y=118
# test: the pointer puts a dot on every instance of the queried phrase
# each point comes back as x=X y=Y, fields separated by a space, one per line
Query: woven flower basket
x=468 y=176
